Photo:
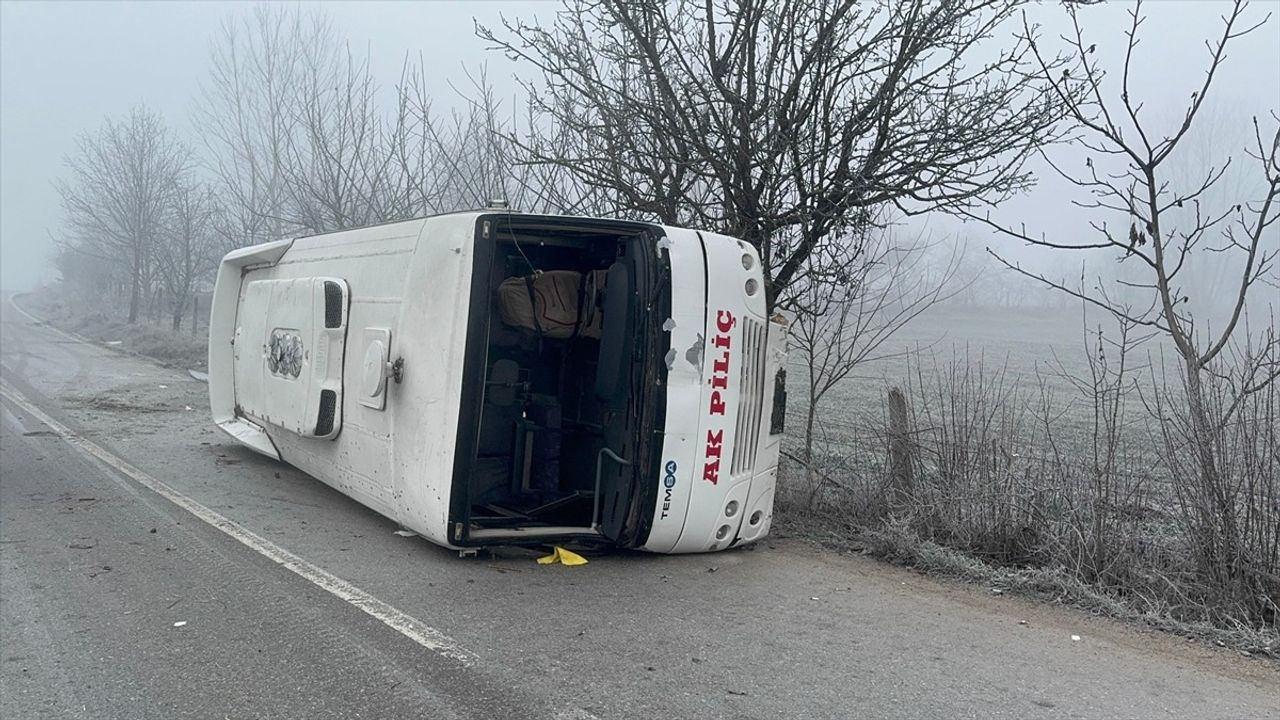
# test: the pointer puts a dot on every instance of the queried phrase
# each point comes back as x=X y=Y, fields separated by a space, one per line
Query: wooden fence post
x=900 y=455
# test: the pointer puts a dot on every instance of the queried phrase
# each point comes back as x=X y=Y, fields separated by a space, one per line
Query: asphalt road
x=97 y=571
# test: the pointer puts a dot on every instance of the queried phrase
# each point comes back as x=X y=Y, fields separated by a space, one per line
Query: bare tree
x=301 y=142
x=122 y=181
x=337 y=162
x=188 y=250
x=454 y=161
x=1165 y=227
x=466 y=158
x=783 y=122
x=855 y=297
x=89 y=277
x=248 y=111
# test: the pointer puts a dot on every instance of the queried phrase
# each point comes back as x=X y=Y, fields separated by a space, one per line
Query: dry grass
x=1056 y=479
x=894 y=541
x=98 y=322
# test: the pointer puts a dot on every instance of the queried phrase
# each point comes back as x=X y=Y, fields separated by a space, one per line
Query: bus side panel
x=374 y=263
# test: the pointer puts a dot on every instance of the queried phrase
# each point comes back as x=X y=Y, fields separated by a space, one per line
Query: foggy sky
x=64 y=67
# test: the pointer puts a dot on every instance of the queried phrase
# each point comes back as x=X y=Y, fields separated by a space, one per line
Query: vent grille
x=333 y=302
x=751 y=396
x=328 y=406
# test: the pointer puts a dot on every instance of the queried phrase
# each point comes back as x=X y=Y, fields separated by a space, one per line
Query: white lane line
x=403 y=623
x=12 y=420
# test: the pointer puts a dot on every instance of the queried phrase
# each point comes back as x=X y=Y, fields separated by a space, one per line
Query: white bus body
x=384 y=361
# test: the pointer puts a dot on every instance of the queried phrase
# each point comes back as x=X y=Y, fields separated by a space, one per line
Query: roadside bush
x=1105 y=489
x=152 y=338
x=1226 y=488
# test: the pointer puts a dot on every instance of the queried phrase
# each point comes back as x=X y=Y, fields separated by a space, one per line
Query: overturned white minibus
x=496 y=378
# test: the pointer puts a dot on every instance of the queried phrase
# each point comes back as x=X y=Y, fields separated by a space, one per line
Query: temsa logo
x=719 y=382
x=668 y=482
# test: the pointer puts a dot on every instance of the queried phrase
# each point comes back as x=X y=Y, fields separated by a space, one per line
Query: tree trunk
x=815 y=484
x=177 y=308
x=135 y=296
x=1223 y=556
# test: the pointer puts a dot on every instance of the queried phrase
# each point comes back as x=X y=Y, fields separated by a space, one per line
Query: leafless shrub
x=1214 y=457
x=1091 y=488
x=1229 y=514
x=973 y=435
x=854 y=297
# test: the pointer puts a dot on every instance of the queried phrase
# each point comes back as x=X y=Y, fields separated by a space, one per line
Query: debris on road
x=406 y=533
x=180 y=623
x=1075 y=638
x=563 y=557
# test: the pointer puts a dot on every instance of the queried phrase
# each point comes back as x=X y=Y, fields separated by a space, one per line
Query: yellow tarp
x=562 y=556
